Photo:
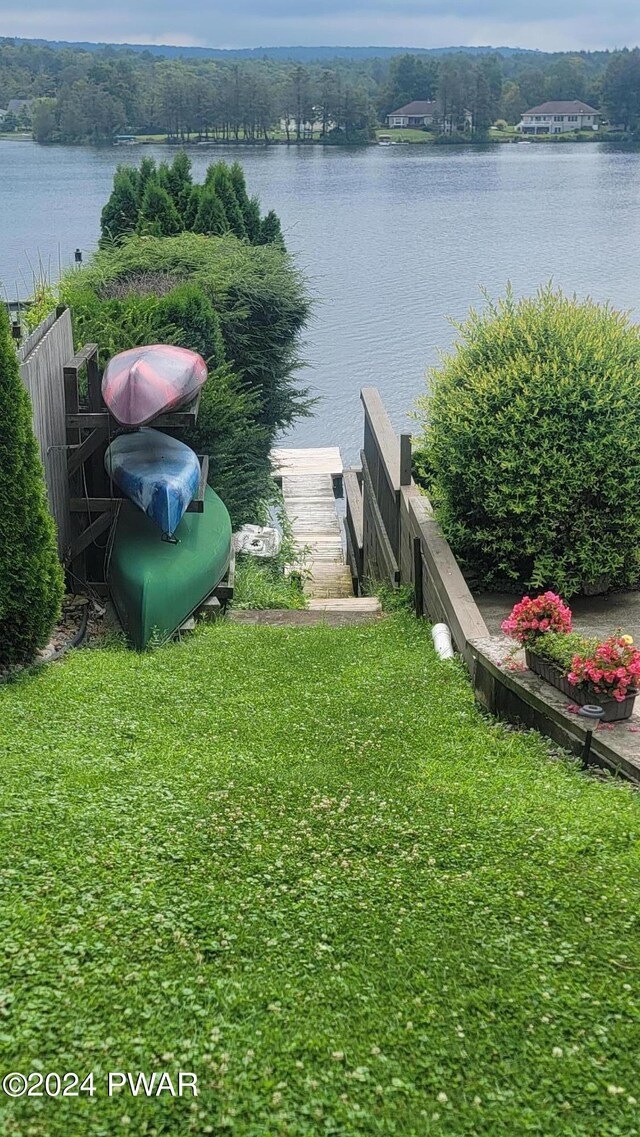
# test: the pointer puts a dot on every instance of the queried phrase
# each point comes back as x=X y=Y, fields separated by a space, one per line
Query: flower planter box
x=613 y=710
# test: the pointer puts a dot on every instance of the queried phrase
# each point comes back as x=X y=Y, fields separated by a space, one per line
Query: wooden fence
x=43 y=356
x=401 y=542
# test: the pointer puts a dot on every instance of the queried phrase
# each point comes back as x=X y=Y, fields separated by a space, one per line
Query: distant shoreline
x=430 y=141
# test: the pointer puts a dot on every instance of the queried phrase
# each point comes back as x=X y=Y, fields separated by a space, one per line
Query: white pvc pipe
x=442 y=641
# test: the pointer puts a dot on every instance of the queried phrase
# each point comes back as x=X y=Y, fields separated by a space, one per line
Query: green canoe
x=156 y=585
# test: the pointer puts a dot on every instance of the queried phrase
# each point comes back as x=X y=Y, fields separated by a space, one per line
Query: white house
x=559 y=118
x=416 y=114
x=307 y=129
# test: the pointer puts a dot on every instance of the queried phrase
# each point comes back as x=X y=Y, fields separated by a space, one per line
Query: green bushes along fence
x=241 y=306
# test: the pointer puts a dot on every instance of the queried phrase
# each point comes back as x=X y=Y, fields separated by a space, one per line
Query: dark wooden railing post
x=418 y=593
x=405 y=459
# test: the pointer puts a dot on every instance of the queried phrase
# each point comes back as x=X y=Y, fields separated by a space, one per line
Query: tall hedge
x=31 y=583
x=531 y=445
x=242 y=306
x=138 y=203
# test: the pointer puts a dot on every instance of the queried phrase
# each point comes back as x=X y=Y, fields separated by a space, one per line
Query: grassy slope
x=300 y=863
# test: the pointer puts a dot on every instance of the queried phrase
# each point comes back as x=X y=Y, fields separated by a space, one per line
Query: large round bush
x=531 y=445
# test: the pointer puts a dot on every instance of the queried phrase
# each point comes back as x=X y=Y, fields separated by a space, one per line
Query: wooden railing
x=402 y=542
x=352 y=484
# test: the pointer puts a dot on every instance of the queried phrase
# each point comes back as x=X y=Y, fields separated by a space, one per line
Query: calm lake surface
x=393 y=241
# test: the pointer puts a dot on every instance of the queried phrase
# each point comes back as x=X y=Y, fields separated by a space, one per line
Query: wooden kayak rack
x=94 y=500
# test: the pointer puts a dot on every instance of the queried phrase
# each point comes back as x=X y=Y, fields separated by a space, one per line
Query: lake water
x=392 y=239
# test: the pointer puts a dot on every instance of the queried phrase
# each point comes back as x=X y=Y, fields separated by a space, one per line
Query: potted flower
x=585 y=669
x=532 y=618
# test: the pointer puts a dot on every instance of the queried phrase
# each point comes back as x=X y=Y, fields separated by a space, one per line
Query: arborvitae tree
x=211 y=217
x=120 y=214
x=271 y=230
x=247 y=205
x=191 y=208
x=219 y=179
x=180 y=180
x=162 y=176
x=163 y=201
x=253 y=220
x=31 y=582
x=158 y=215
x=146 y=172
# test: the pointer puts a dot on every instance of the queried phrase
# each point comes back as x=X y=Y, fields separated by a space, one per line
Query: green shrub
x=187 y=309
x=218 y=181
x=531 y=445
x=241 y=307
x=258 y=293
x=163 y=200
x=42 y=303
x=120 y=214
x=31 y=583
x=210 y=217
x=158 y=215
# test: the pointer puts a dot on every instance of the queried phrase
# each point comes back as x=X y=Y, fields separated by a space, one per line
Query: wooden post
x=71 y=404
x=417 y=578
x=405 y=459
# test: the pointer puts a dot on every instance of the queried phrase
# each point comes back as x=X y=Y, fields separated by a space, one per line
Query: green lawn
x=300 y=863
x=406 y=134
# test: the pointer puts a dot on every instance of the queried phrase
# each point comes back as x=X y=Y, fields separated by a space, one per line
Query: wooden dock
x=309 y=479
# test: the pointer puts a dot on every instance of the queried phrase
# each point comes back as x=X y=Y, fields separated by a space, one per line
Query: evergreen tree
x=211 y=217
x=120 y=214
x=219 y=179
x=180 y=180
x=31 y=583
x=271 y=230
x=158 y=215
x=146 y=173
x=191 y=208
x=253 y=220
x=236 y=176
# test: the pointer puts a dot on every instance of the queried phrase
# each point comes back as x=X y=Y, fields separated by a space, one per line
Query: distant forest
x=90 y=95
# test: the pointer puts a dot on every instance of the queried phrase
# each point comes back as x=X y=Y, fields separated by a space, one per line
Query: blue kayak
x=158 y=473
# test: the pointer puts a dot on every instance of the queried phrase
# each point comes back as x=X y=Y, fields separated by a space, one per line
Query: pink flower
x=531 y=618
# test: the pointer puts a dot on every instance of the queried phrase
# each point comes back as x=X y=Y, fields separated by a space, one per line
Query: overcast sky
x=558 y=25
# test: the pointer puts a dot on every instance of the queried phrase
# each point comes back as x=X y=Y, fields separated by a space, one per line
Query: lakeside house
x=424 y=113
x=307 y=128
x=19 y=107
x=417 y=114
x=559 y=118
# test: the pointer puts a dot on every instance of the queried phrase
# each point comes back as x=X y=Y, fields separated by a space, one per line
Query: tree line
x=90 y=96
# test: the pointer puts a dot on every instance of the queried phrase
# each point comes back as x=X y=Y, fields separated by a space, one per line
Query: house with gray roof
x=559 y=118
x=19 y=108
x=419 y=113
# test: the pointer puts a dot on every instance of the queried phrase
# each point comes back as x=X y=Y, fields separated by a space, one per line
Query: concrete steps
x=335 y=612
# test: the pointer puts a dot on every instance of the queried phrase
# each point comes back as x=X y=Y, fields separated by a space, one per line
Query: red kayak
x=144 y=382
